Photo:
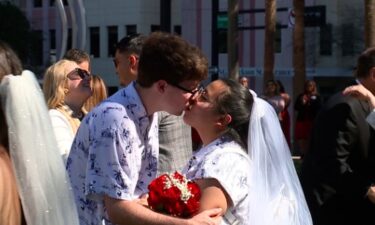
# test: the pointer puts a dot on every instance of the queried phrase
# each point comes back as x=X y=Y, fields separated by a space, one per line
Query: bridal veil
x=276 y=196
x=42 y=181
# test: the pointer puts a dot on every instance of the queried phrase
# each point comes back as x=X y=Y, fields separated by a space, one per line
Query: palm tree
x=233 y=66
x=299 y=46
x=269 y=42
x=369 y=23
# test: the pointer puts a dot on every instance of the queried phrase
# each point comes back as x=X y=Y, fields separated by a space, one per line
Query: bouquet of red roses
x=175 y=195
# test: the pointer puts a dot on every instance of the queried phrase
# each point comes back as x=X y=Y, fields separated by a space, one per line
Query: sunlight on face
x=201 y=113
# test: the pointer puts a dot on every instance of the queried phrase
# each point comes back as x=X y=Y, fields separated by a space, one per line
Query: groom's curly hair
x=169 y=57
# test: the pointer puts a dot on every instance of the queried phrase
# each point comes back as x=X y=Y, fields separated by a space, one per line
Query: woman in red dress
x=307 y=106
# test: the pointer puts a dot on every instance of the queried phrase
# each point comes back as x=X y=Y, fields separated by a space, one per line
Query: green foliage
x=15 y=29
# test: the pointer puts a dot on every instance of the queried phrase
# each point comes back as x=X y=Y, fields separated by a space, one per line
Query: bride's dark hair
x=9 y=64
x=236 y=101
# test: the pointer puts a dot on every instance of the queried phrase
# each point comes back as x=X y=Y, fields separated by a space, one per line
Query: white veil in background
x=42 y=181
x=276 y=196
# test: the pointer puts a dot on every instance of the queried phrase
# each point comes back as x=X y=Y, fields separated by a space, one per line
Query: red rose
x=175 y=195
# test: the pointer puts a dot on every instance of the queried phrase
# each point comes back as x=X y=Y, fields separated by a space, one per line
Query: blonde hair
x=99 y=92
x=55 y=83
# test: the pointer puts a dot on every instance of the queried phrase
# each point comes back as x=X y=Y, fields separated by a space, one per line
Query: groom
x=339 y=167
x=114 y=155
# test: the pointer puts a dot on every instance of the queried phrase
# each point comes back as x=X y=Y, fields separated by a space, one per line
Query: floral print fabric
x=225 y=161
x=115 y=153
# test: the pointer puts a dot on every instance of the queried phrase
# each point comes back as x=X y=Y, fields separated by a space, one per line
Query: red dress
x=307 y=110
x=285 y=124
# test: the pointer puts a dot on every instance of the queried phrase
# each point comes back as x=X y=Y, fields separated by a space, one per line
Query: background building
x=333 y=33
x=333 y=38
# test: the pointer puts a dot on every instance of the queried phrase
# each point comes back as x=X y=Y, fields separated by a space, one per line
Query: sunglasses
x=78 y=73
x=199 y=95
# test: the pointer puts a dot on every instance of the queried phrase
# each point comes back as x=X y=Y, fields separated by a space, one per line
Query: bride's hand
x=207 y=217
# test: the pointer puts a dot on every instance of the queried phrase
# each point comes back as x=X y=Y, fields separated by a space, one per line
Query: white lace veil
x=40 y=173
x=276 y=194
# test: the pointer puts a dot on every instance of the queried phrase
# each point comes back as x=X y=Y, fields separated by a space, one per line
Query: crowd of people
x=306 y=107
x=71 y=154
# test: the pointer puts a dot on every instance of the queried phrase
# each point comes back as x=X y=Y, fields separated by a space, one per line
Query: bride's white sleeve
x=43 y=184
x=276 y=196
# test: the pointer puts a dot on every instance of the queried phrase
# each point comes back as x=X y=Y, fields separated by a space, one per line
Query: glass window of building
x=347 y=39
x=95 y=42
x=177 y=29
x=38 y=3
x=52 y=2
x=37 y=49
x=326 y=40
x=131 y=29
x=222 y=40
x=155 y=28
x=52 y=39
x=70 y=39
x=112 y=40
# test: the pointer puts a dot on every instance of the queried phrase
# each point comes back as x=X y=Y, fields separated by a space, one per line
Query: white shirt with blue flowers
x=115 y=153
x=225 y=161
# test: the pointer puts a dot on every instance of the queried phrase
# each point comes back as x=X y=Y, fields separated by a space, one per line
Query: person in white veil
x=258 y=188
x=10 y=212
x=34 y=160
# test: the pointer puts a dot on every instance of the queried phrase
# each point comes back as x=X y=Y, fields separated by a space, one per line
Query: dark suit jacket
x=340 y=165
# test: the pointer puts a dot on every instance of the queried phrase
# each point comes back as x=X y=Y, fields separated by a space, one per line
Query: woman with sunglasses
x=244 y=166
x=66 y=88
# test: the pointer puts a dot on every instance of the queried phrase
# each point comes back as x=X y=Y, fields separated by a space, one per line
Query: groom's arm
x=133 y=213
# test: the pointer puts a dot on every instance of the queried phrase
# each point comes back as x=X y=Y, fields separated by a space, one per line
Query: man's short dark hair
x=365 y=62
x=131 y=43
x=77 y=55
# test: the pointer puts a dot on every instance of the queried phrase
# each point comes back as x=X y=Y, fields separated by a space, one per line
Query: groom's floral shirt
x=115 y=153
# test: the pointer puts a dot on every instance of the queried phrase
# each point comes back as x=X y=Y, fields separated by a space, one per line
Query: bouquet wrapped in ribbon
x=173 y=194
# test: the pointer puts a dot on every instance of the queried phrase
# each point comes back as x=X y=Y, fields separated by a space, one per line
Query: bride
x=32 y=161
x=244 y=166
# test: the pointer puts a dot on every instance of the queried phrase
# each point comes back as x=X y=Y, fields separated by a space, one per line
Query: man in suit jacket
x=339 y=167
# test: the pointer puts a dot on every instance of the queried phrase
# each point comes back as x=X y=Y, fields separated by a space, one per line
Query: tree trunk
x=299 y=47
x=269 y=42
x=232 y=43
x=369 y=23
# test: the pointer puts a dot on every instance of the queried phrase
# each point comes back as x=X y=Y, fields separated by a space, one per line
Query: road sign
x=222 y=21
